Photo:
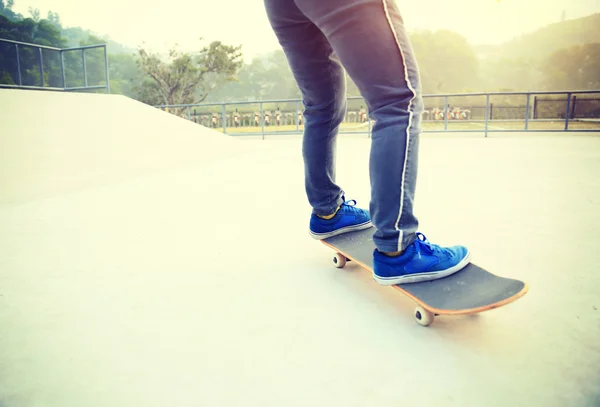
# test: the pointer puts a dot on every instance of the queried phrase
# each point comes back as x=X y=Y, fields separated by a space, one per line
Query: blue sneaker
x=421 y=261
x=347 y=219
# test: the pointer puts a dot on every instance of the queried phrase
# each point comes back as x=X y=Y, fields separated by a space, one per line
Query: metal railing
x=19 y=85
x=548 y=111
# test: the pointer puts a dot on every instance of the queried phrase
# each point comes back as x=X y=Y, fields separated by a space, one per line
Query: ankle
x=392 y=254
x=328 y=217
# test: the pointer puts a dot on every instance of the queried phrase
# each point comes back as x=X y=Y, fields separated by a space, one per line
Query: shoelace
x=351 y=205
x=423 y=243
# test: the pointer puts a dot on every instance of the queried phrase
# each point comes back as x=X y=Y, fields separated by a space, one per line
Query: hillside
x=77 y=36
x=543 y=42
x=12 y=26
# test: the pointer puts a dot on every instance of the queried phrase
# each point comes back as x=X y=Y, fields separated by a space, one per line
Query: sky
x=160 y=25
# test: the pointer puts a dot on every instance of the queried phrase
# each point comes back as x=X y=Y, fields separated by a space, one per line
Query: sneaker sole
x=421 y=277
x=352 y=228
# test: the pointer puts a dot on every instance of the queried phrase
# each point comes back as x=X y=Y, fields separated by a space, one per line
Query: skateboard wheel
x=339 y=260
x=423 y=317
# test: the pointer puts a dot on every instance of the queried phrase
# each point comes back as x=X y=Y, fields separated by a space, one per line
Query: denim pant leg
x=322 y=82
x=370 y=40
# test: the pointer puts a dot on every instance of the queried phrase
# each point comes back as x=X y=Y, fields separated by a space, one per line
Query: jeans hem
x=391 y=245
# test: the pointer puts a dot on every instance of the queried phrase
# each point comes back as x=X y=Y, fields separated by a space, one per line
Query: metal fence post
x=262 y=121
x=84 y=68
x=41 y=67
x=568 y=111
x=62 y=69
x=18 y=66
x=106 y=75
x=487 y=112
x=446 y=113
x=527 y=112
x=223 y=118
x=187 y=110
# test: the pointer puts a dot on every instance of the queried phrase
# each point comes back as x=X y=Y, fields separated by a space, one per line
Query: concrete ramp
x=58 y=142
x=147 y=261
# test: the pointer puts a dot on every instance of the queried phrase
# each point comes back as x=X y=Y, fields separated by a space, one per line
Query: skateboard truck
x=422 y=316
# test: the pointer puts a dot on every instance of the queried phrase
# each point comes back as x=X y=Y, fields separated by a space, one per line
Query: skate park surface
x=148 y=261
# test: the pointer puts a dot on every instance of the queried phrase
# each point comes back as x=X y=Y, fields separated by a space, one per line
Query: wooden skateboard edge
x=439 y=311
x=467 y=311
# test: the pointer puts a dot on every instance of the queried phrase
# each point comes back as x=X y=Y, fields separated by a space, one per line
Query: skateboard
x=469 y=291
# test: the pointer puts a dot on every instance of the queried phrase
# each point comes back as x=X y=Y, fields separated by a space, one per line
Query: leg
x=321 y=80
x=370 y=39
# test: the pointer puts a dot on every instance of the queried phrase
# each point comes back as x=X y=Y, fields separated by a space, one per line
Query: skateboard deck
x=469 y=291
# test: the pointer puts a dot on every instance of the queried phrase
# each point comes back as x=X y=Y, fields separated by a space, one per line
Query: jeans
x=321 y=40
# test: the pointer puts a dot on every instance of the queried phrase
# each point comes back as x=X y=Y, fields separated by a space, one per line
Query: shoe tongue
x=426 y=244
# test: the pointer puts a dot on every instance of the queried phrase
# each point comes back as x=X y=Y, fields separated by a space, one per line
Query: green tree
x=54 y=18
x=246 y=86
x=446 y=61
x=278 y=81
x=40 y=32
x=6 y=10
x=266 y=77
x=575 y=67
x=553 y=37
x=540 y=60
x=125 y=74
x=35 y=14
x=28 y=30
x=510 y=74
x=95 y=65
x=186 y=77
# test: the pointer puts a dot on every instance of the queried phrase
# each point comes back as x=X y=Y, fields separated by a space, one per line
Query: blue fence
x=19 y=47
x=576 y=111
